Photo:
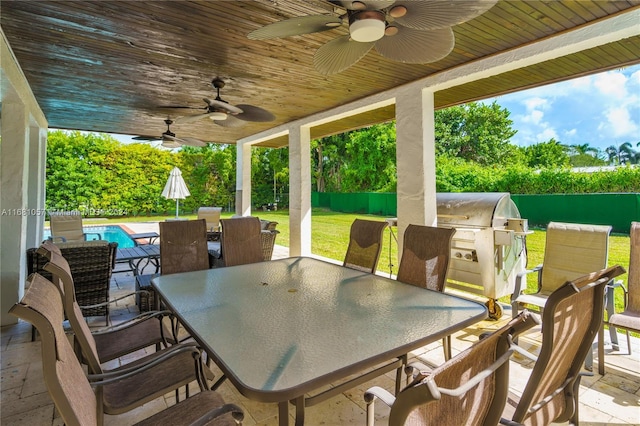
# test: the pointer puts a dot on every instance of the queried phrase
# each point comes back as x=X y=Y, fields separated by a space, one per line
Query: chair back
x=571 y=319
x=66 y=225
x=365 y=245
x=440 y=398
x=63 y=375
x=633 y=279
x=241 y=241
x=212 y=216
x=571 y=251
x=91 y=264
x=425 y=256
x=183 y=246
x=59 y=268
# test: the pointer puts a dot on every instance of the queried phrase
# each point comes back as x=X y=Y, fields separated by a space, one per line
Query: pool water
x=111 y=233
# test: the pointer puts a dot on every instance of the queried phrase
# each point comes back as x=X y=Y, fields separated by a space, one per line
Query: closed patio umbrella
x=175 y=189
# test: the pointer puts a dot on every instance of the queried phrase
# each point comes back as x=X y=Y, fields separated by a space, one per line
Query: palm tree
x=582 y=149
x=621 y=155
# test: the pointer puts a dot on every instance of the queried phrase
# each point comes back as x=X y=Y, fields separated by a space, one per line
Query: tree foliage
x=97 y=174
x=546 y=154
x=475 y=132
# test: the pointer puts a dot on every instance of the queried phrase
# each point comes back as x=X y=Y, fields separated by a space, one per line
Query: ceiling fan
x=410 y=31
x=169 y=139
x=224 y=114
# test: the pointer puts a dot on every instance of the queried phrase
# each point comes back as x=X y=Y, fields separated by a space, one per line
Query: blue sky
x=600 y=109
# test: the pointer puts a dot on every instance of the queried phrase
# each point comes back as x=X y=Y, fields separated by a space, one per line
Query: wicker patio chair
x=470 y=389
x=241 y=241
x=571 y=319
x=268 y=234
x=365 y=245
x=425 y=259
x=183 y=246
x=112 y=342
x=118 y=391
x=91 y=264
x=67 y=227
x=629 y=318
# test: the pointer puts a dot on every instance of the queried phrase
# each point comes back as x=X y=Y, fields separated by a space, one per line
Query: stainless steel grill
x=488 y=249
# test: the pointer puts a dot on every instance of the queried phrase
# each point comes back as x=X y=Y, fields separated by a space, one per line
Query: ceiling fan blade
x=192 y=142
x=191 y=118
x=231 y=122
x=146 y=138
x=295 y=26
x=254 y=113
x=222 y=106
x=170 y=142
x=415 y=46
x=369 y=5
x=177 y=107
x=436 y=14
x=339 y=54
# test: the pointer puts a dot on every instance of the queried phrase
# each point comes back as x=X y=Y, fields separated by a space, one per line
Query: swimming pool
x=111 y=233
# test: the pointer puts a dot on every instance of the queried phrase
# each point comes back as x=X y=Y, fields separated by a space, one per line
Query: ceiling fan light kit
x=367 y=26
x=218 y=116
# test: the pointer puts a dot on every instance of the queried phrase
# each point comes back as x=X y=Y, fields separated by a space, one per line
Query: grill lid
x=475 y=209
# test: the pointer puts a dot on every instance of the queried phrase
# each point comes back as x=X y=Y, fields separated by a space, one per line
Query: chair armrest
x=57 y=239
x=376 y=392
x=370 y=397
x=236 y=413
x=108 y=302
x=126 y=372
x=609 y=294
x=416 y=368
x=92 y=233
x=520 y=278
x=133 y=321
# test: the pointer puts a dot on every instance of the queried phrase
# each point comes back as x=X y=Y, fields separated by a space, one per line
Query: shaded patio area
x=612 y=399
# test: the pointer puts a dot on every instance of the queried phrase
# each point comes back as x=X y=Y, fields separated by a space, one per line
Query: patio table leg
x=283 y=413
x=299 y=402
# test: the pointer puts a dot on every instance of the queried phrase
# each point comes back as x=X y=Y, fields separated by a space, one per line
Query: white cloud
x=581 y=83
x=534 y=117
x=536 y=103
x=571 y=132
x=546 y=134
x=612 y=83
x=620 y=122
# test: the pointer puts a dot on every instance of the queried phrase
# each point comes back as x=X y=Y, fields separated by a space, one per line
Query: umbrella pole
x=177 y=201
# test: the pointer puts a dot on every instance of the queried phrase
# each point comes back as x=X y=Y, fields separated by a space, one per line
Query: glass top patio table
x=283 y=328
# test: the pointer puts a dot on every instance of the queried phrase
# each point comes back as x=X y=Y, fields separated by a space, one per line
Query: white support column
x=300 y=191
x=415 y=159
x=14 y=167
x=36 y=186
x=243 y=179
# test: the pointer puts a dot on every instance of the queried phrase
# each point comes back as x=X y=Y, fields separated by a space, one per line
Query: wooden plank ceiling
x=109 y=66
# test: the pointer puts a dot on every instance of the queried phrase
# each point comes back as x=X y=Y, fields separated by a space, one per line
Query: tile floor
x=612 y=399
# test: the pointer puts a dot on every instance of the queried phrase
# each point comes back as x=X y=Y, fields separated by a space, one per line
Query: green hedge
x=617 y=210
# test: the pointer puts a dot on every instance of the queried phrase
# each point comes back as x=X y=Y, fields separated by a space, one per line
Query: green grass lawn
x=330 y=238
